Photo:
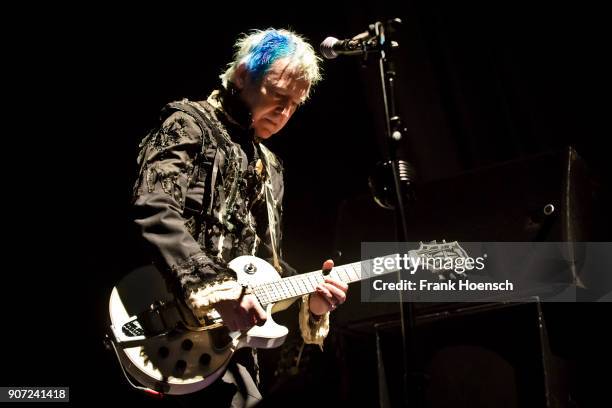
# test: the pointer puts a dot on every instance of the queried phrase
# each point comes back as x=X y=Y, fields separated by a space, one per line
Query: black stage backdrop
x=478 y=84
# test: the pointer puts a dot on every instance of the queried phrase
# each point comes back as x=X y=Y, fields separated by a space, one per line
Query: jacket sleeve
x=313 y=332
x=167 y=160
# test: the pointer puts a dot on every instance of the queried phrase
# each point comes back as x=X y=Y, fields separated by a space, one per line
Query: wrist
x=313 y=317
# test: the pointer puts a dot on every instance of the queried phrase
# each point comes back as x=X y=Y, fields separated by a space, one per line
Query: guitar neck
x=303 y=284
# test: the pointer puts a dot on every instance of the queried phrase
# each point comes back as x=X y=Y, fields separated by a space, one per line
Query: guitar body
x=190 y=358
x=165 y=348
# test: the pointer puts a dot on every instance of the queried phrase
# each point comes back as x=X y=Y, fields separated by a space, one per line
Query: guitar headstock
x=440 y=257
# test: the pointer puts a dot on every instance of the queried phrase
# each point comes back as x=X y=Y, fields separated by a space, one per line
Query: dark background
x=479 y=84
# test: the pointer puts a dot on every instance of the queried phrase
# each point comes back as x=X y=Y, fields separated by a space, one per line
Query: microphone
x=332 y=47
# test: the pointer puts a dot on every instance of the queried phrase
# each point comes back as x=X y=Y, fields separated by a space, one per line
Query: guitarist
x=209 y=190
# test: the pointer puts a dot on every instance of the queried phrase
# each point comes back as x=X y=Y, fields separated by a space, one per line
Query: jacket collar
x=233 y=107
x=237 y=115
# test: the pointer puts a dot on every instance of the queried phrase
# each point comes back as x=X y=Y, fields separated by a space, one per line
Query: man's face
x=274 y=99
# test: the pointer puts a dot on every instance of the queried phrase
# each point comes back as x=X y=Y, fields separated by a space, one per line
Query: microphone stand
x=413 y=381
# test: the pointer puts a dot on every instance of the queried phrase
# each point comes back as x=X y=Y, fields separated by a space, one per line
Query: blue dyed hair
x=272 y=47
x=258 y=50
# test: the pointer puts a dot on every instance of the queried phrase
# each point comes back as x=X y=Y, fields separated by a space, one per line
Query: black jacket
x=207 y=192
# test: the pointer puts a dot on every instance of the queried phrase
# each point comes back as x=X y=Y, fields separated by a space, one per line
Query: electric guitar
x=164 y=347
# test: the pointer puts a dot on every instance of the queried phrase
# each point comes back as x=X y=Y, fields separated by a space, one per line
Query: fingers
x=325 y=294
x=242 y=316
x=330 y=295
x=339 y=295
x=261 y=314
x=257 y=313
x=225 y=309
x=337 y=283
x=328 y=265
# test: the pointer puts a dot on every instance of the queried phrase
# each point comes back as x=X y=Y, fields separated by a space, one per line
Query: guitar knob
x=187 y=345
x=205 y=359
x=163 y=352
x=180 y=366
x=250 y=268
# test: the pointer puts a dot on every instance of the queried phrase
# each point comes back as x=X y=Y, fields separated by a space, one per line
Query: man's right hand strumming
x=241 y=314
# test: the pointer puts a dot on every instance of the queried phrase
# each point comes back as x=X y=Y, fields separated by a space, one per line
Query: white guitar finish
x=157 y=362
x=187 y=360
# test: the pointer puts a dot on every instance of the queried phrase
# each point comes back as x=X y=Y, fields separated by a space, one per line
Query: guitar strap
x=270 y=205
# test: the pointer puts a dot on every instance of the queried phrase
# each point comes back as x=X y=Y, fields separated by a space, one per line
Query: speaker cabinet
x=548 y=197
x=485 y=355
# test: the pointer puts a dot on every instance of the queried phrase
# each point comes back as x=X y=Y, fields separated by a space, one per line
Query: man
x=209 y=191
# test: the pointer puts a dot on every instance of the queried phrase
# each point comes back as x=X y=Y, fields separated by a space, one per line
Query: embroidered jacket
x=208 y=192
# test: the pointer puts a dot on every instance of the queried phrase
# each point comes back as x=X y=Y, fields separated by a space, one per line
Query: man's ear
x=240 y=76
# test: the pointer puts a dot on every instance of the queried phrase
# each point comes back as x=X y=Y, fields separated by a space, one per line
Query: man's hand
x=241 y=314
x=329 y=294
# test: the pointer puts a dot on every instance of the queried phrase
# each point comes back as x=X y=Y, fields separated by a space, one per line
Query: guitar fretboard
x=306 y=283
